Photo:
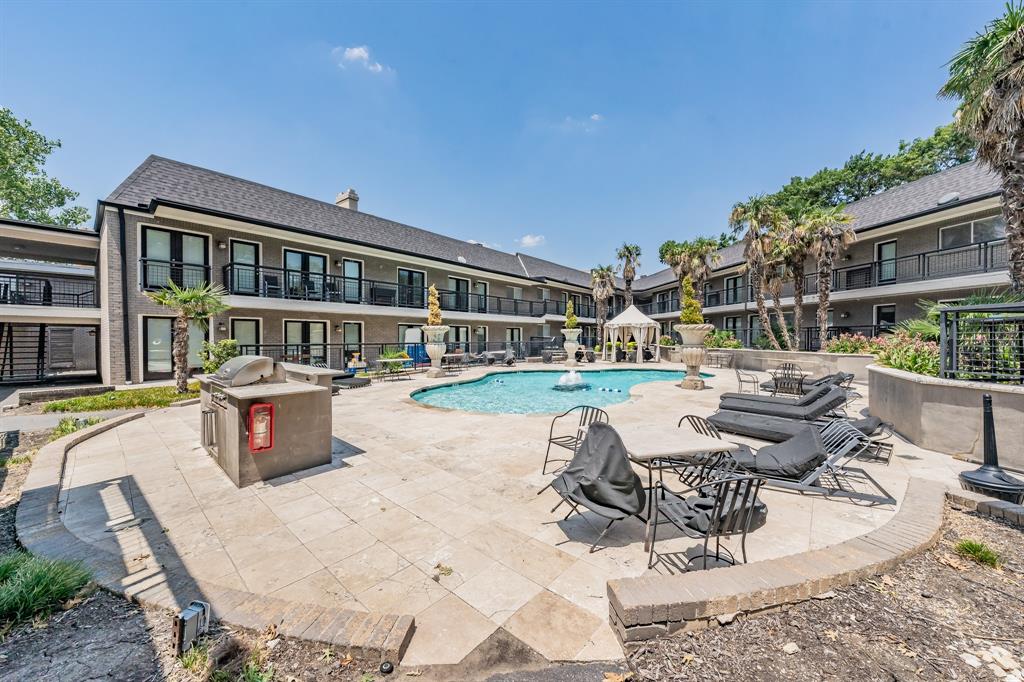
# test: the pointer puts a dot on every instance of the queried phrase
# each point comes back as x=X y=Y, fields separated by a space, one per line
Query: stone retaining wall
x=41 y=531
x=27 y=396
x=649 y=606
x=817 y=364
x=945 y=415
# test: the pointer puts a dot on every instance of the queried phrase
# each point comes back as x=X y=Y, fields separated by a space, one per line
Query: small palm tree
x=703 y=256
x=629 y=256
x=191 y=304
x=602 y=283
x=753 y=220
x=987 y=76
x=676 y=255
x=793 y=243
x=830 y=233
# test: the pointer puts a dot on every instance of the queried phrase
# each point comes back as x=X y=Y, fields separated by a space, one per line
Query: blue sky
x=557 y=129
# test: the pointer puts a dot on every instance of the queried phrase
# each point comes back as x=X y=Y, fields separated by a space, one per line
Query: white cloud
x=489 y=245
x=358 y=55
x=529 y=241
x=590 y=124
x=596 y=117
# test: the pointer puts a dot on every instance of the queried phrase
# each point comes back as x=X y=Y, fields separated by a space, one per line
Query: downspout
x=124 y=294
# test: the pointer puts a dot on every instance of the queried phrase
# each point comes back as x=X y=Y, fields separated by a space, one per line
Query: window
x=173 y=256
x=460 y=337
x=352 y=270
x=246 y=333
x=513 y=334
x=543 y=294
x=711 y=297
x=731 y=324
x=411 y=284
x=972 y=233
x=480 y=294
x=480 y=338
x=157 y=341
x=304 y=274
x=245 y=260
x=515 y=292
x=458 y=299
x=410 y=333
x=352 y=338
x=305 y=341
x=885 y=254
x=885 y=316
x=733 y=290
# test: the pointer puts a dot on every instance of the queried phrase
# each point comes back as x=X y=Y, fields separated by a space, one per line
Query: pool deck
x=427 y=512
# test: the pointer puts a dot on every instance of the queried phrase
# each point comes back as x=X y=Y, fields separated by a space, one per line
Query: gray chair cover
x=600 y=476
x=793 y=458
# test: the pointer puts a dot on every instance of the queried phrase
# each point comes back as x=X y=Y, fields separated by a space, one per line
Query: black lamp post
x=990 y=478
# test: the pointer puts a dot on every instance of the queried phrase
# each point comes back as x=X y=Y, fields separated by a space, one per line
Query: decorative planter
x=692 y=352
x=434 y=337
x=572 y=337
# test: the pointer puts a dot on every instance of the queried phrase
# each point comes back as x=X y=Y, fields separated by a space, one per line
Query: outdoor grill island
x=262 y=420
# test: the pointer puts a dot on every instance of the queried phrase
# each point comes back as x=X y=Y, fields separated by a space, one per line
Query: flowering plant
x=909 y=353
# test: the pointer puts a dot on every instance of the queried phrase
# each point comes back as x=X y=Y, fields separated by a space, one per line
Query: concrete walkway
x=424 y=512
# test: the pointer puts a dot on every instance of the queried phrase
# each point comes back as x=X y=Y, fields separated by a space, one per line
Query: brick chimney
x=348 y=199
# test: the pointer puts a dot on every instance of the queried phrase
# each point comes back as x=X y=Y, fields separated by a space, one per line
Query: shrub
x=570 y=315
x=216 y=354
x=721 y=338
x=911 y=354
x=666 y=341
x=631 y=346
x=849 y=343
x=31 y=586
x=433 y=307
x=979 y=551
x=691 y=312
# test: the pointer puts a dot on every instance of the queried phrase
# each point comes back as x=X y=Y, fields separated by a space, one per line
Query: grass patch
x=254 y=671
x=196 y=658
x=30 y=586
x=15 y=461
x=156 y=396
x=69 y=425
x=978 y=551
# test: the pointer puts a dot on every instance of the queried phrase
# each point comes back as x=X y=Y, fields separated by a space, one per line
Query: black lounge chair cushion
x=600 y=476
x=761 y=426
x=834 y=398
x=791 y=459
x=695 y=511
x=352 y=382
x=805 y=399
x=868 y=425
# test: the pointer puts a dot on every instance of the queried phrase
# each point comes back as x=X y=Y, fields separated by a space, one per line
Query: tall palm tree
x=676 y=255
x=793 y=242
x=987 y=76
x=190 y=304
x=602 y=285
x=752 y=221
x=703 y=255
x=830 y=233
x=629 y=256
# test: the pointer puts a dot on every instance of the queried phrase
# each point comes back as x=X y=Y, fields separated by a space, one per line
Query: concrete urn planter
x=692 y=352
x=434 y=338
x=572 y=337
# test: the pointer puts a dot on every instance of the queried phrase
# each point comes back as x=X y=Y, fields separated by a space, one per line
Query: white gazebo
x=631 y=322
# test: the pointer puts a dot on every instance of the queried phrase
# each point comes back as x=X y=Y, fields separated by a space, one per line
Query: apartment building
x=938 y=238
x=319 y=281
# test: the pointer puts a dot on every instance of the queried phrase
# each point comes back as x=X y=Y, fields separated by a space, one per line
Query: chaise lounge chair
x=824 y=403
x=843 y=379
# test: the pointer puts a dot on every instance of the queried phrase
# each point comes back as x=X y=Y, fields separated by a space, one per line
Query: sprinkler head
x=386 y=668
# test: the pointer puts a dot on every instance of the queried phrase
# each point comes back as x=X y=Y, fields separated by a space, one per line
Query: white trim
x=487 y=332
x=86 y=240
x=507 y=340
x=874 y=313
x=326 y=256
x=140 y=317
x=259 y=250
x=284 y=336
x=260 y=320
x=362 y=332
x=49 y=314
x=140 y=228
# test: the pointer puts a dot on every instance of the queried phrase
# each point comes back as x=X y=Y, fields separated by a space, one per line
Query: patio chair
x=777 y=429
x=599 y=478
x=581 y=416
x=746 y=379
x=818 y=462
x=804 y=399
x=271 y=286
x=830 y=402
x=726 y=507
x=510 y=358
x=841 y=379
x=713 y=465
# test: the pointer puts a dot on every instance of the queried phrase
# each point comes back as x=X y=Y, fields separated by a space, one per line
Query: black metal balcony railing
x=34 y=289
x=271 y=282
x=157 y=273
x=810 y=338
x=364 y=355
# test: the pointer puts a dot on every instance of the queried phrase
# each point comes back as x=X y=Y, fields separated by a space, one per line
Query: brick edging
x=649 y=606
x=997 y=509
x=41 y=531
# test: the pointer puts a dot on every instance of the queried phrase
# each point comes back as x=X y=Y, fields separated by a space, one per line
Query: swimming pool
x=531 y=392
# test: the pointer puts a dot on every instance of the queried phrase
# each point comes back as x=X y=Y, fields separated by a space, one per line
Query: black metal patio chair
x=745 y=380
x=579 y=417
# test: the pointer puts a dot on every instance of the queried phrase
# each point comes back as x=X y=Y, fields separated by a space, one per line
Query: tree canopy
x=26 y=191
x=866 y=173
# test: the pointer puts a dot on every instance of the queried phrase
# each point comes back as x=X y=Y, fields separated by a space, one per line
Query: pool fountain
x=571 y=381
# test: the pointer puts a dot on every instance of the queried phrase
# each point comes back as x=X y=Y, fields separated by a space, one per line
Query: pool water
x=532 y=392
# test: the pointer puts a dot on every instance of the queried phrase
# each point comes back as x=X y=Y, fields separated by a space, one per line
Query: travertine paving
x=424 y=512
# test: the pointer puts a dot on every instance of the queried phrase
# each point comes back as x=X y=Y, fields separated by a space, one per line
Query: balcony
x=155 y=274
x=47 y=290
x=270 y=282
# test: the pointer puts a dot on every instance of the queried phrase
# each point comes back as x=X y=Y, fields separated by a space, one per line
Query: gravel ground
x=938 y=616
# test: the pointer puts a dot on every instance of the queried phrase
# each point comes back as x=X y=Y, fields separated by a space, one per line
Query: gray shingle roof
x=971 y=181
x=554 y=272
x=164 y=179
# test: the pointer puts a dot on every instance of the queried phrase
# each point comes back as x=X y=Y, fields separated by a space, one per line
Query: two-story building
x=319 y=281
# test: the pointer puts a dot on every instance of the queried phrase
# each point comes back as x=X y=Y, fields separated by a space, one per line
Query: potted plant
x=433 y=332
x=572 y=332
x=692 y=329
x=631 y=351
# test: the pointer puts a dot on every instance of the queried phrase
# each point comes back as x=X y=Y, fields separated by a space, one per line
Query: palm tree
x=829 y=233
x=987 y=76
x=703 y=255
x=793 y=242
x=676 y=255
x=776 y=274
x=191 y=304
x=752 y=221
x=629 y=255
x=602 y=284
